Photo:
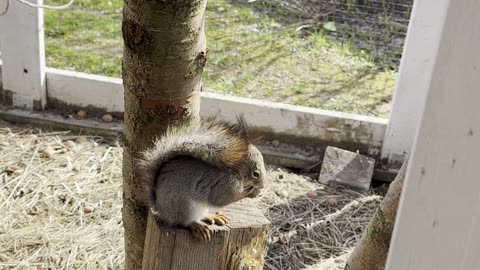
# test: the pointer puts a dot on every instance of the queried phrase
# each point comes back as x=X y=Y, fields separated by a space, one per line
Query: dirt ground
x=60 y=202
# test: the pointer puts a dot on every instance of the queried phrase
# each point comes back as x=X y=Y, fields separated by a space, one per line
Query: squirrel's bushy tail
x=217 y=143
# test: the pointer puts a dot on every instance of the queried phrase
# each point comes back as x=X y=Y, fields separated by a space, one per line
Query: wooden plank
x=58 y=122
x=239 y=245
x=301 y=122
x=287 y=155
x=438 y=222
x=84 y=90
x=422 y=41
x=23 y=55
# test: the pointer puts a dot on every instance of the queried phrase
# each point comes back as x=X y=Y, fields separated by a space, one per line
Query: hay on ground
x=61 y=199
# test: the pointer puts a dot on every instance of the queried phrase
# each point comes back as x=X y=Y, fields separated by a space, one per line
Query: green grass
x=250 y=55
x=84 y=40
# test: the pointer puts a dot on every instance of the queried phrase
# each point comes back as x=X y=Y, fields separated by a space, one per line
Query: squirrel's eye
x=255 y=174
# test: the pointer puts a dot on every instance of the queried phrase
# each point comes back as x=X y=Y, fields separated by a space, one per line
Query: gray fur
x=184 y=176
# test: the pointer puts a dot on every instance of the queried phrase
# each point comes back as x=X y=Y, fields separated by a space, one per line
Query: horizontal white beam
x=82 y=90
x=302 y=122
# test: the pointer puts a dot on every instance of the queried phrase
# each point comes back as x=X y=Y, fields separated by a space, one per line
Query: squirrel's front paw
x=216 y=218
x=200 y=231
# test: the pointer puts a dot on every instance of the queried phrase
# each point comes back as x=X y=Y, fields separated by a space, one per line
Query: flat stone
x=107 y=118
x=346 y=168
x=82 y=114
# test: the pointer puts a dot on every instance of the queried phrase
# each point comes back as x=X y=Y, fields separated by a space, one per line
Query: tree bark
x=163 y=59
x=372 y=249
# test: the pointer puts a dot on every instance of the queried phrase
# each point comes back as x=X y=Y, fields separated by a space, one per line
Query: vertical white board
x=418 y=59
x=438 y=224
x=23 y=55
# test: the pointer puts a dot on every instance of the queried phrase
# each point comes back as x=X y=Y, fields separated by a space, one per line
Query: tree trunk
x=372 y=249
x=163 y=59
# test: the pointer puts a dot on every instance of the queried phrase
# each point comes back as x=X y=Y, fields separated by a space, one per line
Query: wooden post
x=371 y=250
x=438 y=222
x=239 y=245
x=416 y=66
x=23 y=56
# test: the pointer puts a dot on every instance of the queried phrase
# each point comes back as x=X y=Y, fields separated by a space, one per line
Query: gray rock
x=346 y=168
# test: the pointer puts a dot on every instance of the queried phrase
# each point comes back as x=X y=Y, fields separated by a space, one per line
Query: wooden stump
x=241 y=244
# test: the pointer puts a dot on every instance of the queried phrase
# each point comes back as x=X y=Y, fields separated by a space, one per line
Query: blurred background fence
x=375 y=27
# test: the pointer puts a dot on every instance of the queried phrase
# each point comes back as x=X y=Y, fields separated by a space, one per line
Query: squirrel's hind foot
x=216 y=218
x=200 y=231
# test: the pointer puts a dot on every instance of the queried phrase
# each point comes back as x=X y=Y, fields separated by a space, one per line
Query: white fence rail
x=79 y=89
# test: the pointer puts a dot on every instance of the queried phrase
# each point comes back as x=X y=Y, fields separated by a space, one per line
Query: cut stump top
x=241 y=244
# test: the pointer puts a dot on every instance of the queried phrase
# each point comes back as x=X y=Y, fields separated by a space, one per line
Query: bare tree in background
x=163 y=59
x=372 y=250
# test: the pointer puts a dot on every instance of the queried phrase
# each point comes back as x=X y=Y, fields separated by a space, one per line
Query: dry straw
x=60 y=205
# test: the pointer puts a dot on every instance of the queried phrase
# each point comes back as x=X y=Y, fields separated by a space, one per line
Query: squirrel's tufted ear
x=242 y=126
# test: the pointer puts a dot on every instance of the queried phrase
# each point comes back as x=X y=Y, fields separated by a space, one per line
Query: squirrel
x=199 y=167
